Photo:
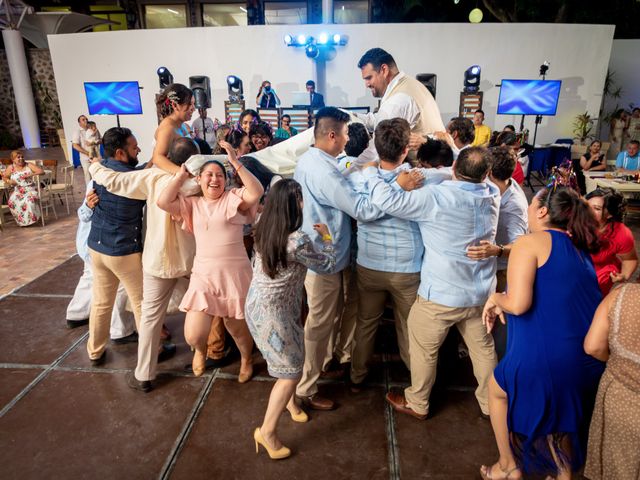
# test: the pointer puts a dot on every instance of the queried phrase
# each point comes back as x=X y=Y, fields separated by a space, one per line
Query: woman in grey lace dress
x=274 y=301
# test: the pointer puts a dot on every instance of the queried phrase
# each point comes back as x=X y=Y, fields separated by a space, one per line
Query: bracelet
x=238 y=169
x=501 y=247
x=327 y=238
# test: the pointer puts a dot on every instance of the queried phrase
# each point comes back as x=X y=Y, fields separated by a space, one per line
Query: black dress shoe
x=168 y=350
x=132 y=338
x=96 y=362
x=144 y=385
x=77 y=323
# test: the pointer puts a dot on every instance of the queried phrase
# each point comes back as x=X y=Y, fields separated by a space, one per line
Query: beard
x=132 y=161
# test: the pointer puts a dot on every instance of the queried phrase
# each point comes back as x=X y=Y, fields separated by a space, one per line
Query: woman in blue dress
x=542 y=392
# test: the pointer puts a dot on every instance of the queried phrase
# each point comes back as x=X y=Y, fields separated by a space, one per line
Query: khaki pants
x=325 y=297
x=215 y=342
x=374 y=286
x=155 y=300
x=344 y=328
x=108 y=272
x=428 y=326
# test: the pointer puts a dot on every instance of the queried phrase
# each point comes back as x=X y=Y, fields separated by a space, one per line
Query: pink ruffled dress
x=221 y=272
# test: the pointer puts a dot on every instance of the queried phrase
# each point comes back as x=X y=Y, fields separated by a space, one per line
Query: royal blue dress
x=550 y=381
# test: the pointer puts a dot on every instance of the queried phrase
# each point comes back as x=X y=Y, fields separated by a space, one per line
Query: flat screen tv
x=529 y=97
x=113 y=98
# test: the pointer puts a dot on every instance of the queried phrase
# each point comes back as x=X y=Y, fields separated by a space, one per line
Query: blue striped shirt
x=328 y=198
x=452 y=216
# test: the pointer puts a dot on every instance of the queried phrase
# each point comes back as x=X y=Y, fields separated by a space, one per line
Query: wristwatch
x=501 y=247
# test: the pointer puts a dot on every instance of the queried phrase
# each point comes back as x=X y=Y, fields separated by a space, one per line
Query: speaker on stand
x=201 y=87
x=429 y=80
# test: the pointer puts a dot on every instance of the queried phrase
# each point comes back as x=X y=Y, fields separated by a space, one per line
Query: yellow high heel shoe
x=300 y=417
x=282 y=452
x=198 y=363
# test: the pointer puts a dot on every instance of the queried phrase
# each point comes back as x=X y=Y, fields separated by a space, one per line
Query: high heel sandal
x=300 y=417
x=244 y=377
x=485 y=473
x=279 y=454
x=198 y=364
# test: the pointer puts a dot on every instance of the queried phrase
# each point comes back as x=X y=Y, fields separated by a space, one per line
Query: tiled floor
x=61 y=418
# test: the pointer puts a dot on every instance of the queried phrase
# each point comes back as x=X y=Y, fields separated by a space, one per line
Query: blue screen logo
x=529 y=97
x=113 y=98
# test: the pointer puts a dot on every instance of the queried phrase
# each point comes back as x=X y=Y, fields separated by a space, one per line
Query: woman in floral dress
x=23 y=200
x=274 y=301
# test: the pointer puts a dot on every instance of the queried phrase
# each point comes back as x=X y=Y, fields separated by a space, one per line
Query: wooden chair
x=45 y=197
x=65 y=188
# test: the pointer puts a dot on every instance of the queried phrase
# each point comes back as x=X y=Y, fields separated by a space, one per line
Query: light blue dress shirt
x=389 y=244
x=84 y=227
x=452 y=216
x=328 y=198
x=624 y=160
x=512 y=219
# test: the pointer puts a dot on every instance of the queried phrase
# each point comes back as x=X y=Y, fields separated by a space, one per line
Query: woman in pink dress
x=221 y=272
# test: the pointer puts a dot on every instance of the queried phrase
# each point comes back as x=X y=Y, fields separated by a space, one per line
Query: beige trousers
x=108 y=272
x=155 y=300
x=344 y=328
x=374 y=286
x=325 y=297
x=428 y=325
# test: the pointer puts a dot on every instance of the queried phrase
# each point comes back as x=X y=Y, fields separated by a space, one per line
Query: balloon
x=475 y=16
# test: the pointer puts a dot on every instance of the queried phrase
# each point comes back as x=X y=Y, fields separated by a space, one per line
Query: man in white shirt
x=402 y=97
x=79 y=143
x=203 y=128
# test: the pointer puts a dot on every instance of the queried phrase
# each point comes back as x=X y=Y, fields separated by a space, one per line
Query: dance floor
x=62 y=418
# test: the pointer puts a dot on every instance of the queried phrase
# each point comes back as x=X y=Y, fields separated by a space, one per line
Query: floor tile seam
x=23 y=366
x=39 y=295
x=42 y=375
x=182 y=438
x=33 y=280
x=390 y=428
x=164 y=373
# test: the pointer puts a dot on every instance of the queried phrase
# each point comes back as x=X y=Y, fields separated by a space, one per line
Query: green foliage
x=582 y=126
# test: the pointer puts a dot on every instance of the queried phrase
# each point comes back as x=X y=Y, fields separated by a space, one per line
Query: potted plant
x=582 y=126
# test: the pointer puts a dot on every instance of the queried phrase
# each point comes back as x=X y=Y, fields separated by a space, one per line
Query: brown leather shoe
x=316 y=402
x=399 y=404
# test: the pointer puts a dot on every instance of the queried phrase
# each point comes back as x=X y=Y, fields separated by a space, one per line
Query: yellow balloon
x=475 y=16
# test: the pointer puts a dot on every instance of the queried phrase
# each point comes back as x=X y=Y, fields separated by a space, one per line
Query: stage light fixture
x=312 y=51
x=288 y=40
x=302 y=39
x=337 y=38
x=544 y=68
x=323 y=39
x=235 y=88
x=164 y=77
x=472 y=79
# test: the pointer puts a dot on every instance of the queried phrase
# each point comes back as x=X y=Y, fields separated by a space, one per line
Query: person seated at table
x=23 y=199
x=629 y=162
x=593 y=160
x=617 y=260
x=286 y=130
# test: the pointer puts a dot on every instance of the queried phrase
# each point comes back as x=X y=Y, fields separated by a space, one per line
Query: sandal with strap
x=486 y=473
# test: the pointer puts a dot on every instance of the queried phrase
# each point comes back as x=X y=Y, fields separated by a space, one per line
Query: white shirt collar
x=392 y=85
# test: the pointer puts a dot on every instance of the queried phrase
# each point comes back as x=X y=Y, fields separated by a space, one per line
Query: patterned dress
x=273 y=305
x=614 y=437
x=23 y=201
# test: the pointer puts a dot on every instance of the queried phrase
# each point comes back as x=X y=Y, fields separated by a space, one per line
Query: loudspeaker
x=428 y=80
x=201 y=87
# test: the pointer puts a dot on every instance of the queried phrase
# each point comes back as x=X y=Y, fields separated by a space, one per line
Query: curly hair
x=175 y=93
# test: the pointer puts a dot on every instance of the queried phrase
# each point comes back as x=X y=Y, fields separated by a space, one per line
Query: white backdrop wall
x=579 y=56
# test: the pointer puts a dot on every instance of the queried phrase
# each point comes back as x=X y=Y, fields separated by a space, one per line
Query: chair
x=45 y=197
x=65 y=188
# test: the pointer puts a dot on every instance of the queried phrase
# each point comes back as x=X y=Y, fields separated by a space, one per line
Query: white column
x=22 y=91
x=327 y=11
